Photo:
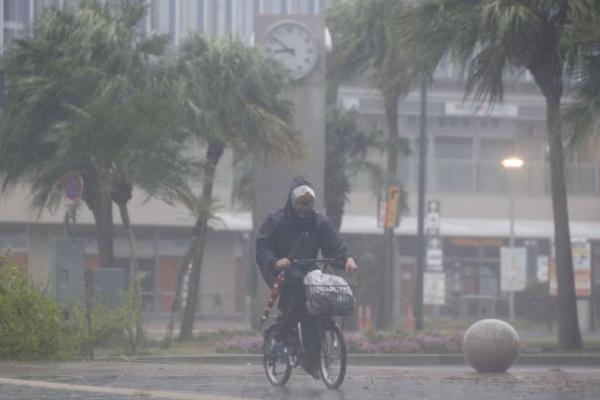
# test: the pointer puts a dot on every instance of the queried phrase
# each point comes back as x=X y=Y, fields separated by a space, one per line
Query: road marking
x=150 y=394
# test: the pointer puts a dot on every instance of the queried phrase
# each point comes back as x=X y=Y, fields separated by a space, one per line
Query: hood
x=298 y=181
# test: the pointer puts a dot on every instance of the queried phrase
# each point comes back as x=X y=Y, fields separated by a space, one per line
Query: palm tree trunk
x=213 y=155
x=133 y=261
x=336 y=183
x=569 y=334
x=176 y=305
x=334 y=200
x=138 y=330
x=97 y=196
x=334 y=165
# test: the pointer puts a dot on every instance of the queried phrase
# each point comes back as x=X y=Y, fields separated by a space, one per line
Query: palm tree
x=61 y=82
x=583 y=114
x=346 y=152
x=233 y=99
x=364 y=42
x=82 y=99
x=488 y=38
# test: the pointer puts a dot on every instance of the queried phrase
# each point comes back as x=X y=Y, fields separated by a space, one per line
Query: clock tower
x=298 y=43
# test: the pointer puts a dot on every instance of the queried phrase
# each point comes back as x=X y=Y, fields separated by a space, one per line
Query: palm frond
x=582 y=116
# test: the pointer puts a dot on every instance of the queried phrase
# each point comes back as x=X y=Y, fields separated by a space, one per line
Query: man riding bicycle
x=281 y=239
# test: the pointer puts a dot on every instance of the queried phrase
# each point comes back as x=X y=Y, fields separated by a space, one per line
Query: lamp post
x=512 y=164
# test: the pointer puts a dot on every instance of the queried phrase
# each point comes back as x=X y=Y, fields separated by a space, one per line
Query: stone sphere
x=491 y=345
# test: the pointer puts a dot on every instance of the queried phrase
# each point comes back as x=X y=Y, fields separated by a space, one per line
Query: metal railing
x=488 y=177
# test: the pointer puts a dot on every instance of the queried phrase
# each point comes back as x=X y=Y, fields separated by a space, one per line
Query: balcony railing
x=485 y=177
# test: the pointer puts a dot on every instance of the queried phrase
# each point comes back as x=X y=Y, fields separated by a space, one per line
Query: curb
x=399 y=360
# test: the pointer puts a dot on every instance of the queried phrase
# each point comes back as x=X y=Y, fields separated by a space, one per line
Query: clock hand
x=291 y=51
x=285 y=47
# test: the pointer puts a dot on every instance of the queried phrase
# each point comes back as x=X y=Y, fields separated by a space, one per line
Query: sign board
x=434 y=253
x=432 y=219
x=434 y=288
x=582 y=268
x=481 y=110
x=392 y=205
x=542 y=268
x=513 y=268
x=73 y=187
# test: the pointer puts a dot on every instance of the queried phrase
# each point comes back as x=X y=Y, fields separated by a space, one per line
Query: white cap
x=301 y=191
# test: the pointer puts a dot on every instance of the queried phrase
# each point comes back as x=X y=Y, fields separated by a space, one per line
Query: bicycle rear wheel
x=276 y=360
x=333 y=357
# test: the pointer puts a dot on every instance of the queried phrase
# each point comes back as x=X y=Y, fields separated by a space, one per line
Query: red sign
x=73 y=187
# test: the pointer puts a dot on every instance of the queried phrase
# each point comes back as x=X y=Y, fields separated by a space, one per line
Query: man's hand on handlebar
x=282 y=263
x=351 y=266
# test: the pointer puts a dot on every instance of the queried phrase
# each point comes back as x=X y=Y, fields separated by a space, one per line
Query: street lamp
x=512 y=164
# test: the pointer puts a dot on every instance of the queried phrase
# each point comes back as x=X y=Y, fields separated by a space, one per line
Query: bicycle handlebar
x=317 y=261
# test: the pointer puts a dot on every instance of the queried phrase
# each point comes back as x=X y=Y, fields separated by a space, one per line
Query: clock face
x=292 y=45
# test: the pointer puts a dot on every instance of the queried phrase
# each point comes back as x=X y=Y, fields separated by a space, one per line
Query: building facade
x=466 y=143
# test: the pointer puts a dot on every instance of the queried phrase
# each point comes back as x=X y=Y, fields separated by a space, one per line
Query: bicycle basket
x=328 y=294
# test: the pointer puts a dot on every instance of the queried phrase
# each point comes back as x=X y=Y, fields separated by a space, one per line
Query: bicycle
x=283 y=351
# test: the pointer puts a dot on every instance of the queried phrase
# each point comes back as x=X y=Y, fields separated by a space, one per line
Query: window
x=200 y=16
x=229 y=27
x=172 y=18
x=454 y=168
x=155 y=15
x=321 y=6
x=16 y=11
x=495 y=150
x=453 y=122
x=492 y=123
x=12 y=238
x=457 y=148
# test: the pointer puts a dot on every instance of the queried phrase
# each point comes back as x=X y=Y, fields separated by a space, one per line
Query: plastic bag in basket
x=327 y=294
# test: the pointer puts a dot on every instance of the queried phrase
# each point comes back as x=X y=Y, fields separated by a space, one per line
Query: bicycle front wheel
x=276 y=359
x=333 y=357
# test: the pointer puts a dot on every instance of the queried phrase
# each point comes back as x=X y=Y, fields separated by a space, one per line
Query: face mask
x=304 y=205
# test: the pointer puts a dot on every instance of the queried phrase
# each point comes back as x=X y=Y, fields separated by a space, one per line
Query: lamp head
x=512 y=162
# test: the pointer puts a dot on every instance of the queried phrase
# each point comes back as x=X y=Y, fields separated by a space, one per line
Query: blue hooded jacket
x=279 y=237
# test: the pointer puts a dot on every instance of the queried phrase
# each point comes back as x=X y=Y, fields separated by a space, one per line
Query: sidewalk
x=156 y=328
x=156 y=331
x=396 y=360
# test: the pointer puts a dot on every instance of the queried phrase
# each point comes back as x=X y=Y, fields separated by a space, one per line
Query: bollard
x=490 y=345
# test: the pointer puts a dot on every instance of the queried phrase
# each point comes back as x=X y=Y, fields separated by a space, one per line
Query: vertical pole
x=511 y=294
x=385 y=316
x=88 y=311
x=420 y=268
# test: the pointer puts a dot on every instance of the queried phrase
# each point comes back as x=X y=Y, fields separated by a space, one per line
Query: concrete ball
x=490 y=345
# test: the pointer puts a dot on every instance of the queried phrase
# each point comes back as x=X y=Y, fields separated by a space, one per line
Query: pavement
x=156 y=329
x=196 y=381
x=241 y=376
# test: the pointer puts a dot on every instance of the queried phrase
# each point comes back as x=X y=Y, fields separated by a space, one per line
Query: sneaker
x=279 y=350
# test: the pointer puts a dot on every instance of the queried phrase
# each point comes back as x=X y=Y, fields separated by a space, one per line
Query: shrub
x=240 y=344
x=30 y=321
x=33 y=326
x=369 y=342
x=118 y=326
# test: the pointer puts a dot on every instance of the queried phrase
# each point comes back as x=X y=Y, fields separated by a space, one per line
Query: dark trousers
x=292 y=305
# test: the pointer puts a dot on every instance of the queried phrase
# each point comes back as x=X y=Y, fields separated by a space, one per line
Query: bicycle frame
x=280 y=280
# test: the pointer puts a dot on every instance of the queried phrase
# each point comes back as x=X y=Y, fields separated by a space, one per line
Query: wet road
x=122 y=380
